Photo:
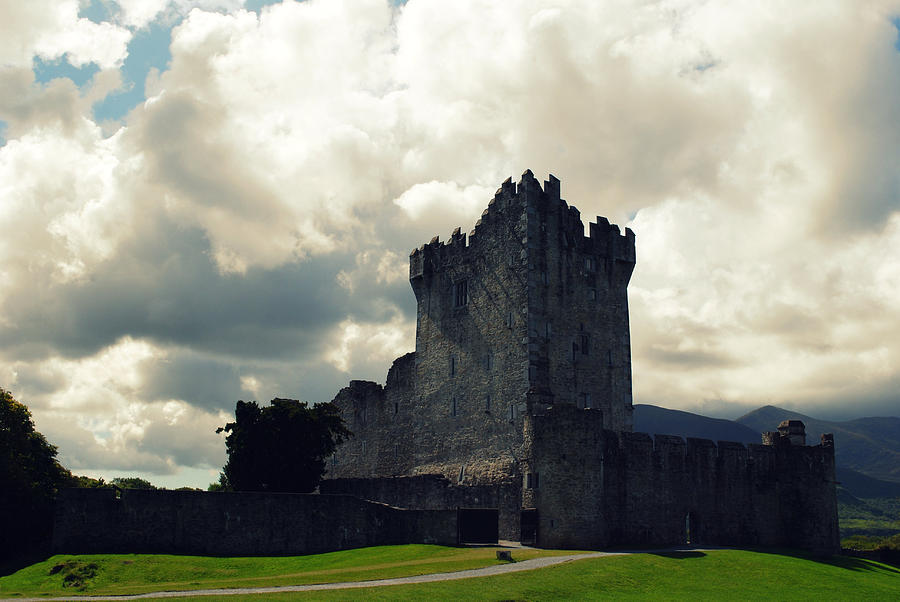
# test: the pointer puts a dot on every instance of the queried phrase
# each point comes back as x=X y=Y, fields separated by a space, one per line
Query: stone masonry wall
x=526 y=311
x=227 y=524
x=434 y=492
x=604 y=488
x=578 y=337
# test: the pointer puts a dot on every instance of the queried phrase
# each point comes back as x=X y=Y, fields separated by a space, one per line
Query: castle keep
x=518 y=398
x=511 y=419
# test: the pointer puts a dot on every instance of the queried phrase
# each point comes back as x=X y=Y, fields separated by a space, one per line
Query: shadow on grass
x=680 y=554
x=10 y=565
x=845 y=562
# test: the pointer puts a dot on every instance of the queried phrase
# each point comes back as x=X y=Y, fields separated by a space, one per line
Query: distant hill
x=866 y=445
x=654 y=419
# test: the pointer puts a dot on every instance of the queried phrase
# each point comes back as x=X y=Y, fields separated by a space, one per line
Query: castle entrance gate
x=478 y=525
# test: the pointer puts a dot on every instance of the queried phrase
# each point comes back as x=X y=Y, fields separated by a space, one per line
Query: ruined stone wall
x=227 y=524
x=434 y=492
x=458 y=410
x=605 y=488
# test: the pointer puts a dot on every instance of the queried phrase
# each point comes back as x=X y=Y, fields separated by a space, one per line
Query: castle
x=512 y=419
x=518 y=398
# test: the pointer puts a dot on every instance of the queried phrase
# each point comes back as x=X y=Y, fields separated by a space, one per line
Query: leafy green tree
x=222 y=485
x=133 y=483
x=281 y=447
x=83 y=482
x=29 y=479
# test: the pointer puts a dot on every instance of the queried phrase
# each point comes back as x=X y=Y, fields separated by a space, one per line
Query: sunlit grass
x=139 y=573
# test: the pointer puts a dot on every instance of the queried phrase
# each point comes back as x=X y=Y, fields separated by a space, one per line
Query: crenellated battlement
x=527 y=199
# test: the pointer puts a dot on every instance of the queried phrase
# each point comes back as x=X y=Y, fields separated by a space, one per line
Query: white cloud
x=51 y=29
x=360 y=346
x=754 y=145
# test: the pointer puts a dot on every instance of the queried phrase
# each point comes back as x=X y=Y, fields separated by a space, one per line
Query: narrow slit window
x=585 y=344
x=452 y=365
x=453 y=407
x=487 y=404
x=461 y=293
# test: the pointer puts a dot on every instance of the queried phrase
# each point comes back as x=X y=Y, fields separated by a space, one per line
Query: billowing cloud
x=51 y=29
x=243 y=233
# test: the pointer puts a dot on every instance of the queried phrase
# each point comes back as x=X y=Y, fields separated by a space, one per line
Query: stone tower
x=523 y=314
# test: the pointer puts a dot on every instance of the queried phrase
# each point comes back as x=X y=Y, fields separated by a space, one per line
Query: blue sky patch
x=148 y=48
x=896 y=22
x=256 y=5
x=2 y=133
x=44 y=71
x=97 y=11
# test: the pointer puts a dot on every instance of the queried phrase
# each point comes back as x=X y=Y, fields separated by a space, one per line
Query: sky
x=208 y=201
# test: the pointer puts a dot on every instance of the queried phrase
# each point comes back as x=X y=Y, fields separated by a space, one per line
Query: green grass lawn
x=139 y=573
x=713 y=575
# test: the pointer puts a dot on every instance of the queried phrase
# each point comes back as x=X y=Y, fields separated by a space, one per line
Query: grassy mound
x=118 y=574
x=711 y=575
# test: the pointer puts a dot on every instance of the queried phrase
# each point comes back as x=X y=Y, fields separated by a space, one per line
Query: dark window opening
x=461 y=293
x=531 y=480
x=585 y=344
x=396 y=407
x=452 y=365
x=487 y=404
x=585 y=401
x=453 y=407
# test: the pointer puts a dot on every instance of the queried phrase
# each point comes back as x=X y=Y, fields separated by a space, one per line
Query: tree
x=133 y=483
x=280 y=447
x=29 y=479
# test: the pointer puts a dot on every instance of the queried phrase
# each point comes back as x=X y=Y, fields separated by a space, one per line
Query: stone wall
x=434 y=492
x=578 y=336
x=599 y=488
x=229 y=524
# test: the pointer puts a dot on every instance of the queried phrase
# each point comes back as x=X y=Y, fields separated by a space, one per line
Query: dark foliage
x=280 y=447
x=222 y=485
x=133 y=483
x=30 y=477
